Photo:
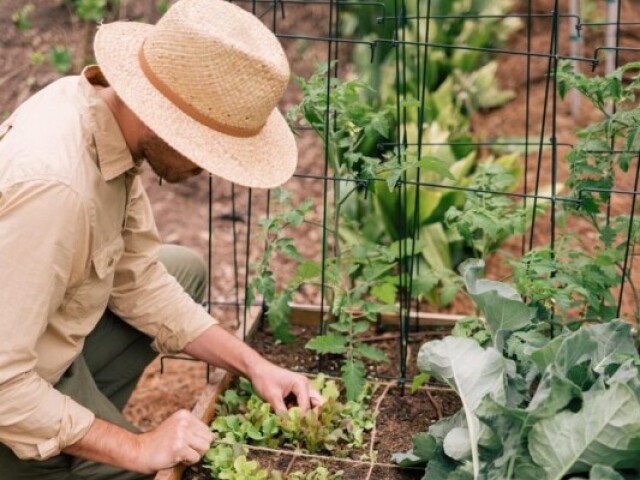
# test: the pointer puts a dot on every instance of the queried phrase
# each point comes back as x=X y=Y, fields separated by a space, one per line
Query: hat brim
x=265 y=160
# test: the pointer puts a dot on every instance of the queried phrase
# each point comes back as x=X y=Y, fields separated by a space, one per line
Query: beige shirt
x=77 y=235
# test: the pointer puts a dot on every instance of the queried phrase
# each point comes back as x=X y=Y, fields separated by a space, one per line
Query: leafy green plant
x=603 y=151
x=320 y=472
x=20 y=17
x=36 y=58
x=606 y=145
x=361 y=289
x=533 y=405
x=570 y=280
x=273 y=233
x=337 y=427
x=359 y=282
x=453 y=23
x=487 y=219
x=229 y=462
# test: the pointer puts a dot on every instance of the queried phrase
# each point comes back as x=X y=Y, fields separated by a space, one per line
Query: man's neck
x=130 y=125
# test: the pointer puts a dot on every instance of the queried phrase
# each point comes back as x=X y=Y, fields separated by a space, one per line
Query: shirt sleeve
x=145 y=295
x=43 y=234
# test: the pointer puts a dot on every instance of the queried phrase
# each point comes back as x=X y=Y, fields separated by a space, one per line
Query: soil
x=399 y=414
x=298 y=358
x=182 y=211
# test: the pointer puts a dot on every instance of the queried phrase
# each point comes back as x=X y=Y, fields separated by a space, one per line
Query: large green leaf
x=330 y=343
x=580 y=354
x=436 y=246
x=474 y=373
x=605 y=431
x=503 y=308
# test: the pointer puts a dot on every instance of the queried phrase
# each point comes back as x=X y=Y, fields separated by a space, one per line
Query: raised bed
x=399 y=413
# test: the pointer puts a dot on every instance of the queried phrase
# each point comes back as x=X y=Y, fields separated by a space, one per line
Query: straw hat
x=206 y=79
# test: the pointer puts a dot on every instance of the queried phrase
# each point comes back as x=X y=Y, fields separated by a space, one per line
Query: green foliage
x=603 y=151
x=367 y=210
x=487 y=218
x=606 y=145
x=36 y=58
x=352 y=122
x=472 y=327
x=534 y=406
x=356 y=278
x=230 y=462
x=60 y=59
x=273 y=231
x=20 y=17
x=571 y=280
x=92 y=10
x=360 y=284
x=320 y=472
x=448 y=27
x=336 y=428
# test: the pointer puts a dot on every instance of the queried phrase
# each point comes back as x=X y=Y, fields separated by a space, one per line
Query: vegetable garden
x=453 y=262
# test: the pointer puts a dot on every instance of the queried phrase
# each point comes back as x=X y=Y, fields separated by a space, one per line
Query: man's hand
x=181 y=438
x=220 y=348
x=274 y=384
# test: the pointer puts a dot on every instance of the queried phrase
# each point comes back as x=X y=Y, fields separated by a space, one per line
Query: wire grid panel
x=398 y=40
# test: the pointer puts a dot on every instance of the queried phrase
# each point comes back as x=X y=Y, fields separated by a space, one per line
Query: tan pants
x=103 y=377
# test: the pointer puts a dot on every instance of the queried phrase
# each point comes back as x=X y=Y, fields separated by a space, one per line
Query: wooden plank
x=204 y=409
x=310 y=316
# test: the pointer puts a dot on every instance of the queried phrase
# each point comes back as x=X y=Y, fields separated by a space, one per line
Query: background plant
x=359 y=281
x=396 y=209
x=577 y=278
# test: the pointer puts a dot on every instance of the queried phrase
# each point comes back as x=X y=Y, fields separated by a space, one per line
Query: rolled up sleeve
x=145 y=295
x=43 y=227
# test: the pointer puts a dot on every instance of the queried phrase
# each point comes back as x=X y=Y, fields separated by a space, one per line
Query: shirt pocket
x=92 y=295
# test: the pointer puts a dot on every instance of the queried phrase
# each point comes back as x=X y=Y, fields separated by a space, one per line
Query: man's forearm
x=180 y=438
x=220 y=348
x=108 y=443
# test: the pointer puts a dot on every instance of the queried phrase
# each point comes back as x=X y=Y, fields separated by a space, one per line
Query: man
x=84 y=296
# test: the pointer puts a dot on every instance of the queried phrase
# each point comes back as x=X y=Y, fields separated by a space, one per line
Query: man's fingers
x=301 y=390
x=199 y=444
x=206 y=435
x=190 y=456
x=277 y=402
x=316 y=398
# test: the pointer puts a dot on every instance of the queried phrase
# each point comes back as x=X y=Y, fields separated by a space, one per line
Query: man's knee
x=187 y=267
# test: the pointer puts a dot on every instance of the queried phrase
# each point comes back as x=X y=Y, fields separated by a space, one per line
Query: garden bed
x=398 y=413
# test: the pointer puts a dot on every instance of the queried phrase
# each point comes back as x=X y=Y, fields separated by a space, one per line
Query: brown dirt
x=297 y=357
x=403 y=414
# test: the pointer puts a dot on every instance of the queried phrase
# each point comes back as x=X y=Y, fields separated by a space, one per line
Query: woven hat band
x=186 y=108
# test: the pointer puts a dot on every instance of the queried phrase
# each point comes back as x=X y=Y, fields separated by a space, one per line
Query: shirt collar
x=113 y=155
